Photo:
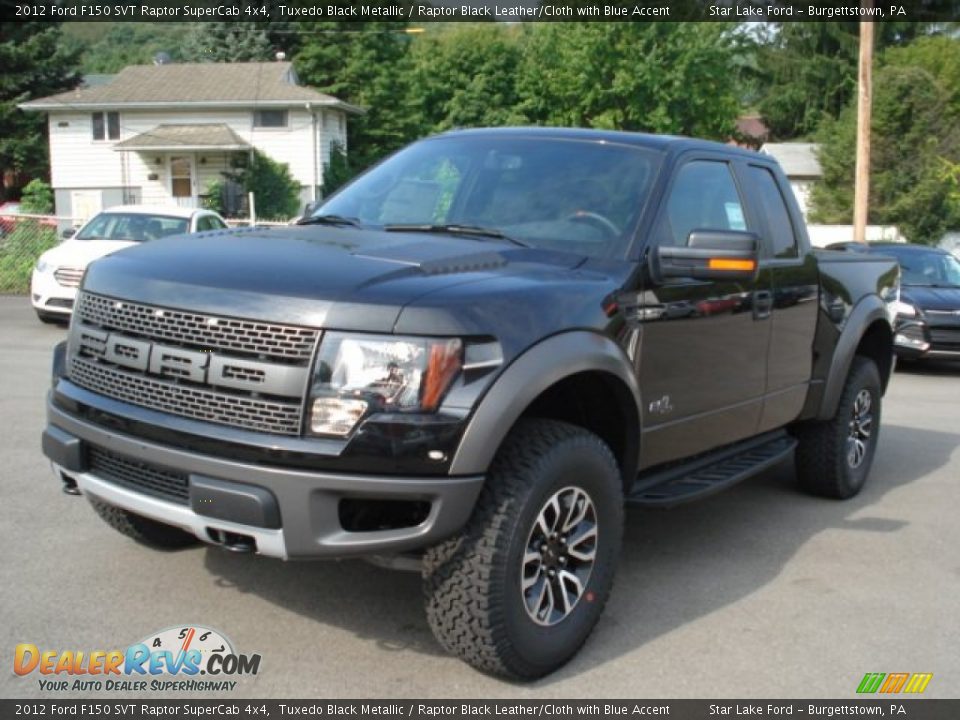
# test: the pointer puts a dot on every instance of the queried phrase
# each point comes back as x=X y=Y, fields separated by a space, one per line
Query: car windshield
x=132 y=227
x=572 y=195
x=925 y=268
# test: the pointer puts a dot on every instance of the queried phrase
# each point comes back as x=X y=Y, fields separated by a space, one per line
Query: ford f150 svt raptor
x=475 y=354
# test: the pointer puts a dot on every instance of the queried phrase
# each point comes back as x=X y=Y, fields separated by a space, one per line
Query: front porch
x=181 y=161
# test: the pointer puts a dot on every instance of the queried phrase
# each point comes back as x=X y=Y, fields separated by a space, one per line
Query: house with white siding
x=160 y=134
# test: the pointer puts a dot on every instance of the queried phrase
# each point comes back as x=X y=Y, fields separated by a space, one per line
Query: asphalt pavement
x=759 y=592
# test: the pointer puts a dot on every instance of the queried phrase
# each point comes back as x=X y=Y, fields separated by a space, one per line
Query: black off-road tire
x=822 y=463
x=472 y=582
x=144 y=530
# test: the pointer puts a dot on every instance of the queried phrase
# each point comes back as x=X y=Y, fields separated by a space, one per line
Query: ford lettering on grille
x=199 y=367
x=246 y=374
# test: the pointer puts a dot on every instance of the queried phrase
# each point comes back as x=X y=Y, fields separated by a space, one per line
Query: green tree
x=367 y=64
x=35 y=64
x=337 y=171
x=656 y=77
x=914 y=138
x=466 y=77
x=939 y=55
x=110 y=47
x=227 y=42
x=808 y=70
x=276 y=193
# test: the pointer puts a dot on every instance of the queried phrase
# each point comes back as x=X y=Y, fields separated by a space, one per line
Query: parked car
x=57 y=274
x=927 y=324
x=9 y=212
x=450 y=364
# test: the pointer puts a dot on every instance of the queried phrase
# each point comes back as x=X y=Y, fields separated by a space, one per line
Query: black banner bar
x=896 y=706
x=426 y=11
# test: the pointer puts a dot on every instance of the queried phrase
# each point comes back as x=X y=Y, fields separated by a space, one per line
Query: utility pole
x=861 y=193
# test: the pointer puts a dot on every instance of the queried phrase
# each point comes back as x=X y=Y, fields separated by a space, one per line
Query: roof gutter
x=67 y=106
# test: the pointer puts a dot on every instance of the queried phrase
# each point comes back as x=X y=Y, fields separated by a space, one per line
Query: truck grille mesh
x=284 y=342
x=186 y=400
x=139 y=476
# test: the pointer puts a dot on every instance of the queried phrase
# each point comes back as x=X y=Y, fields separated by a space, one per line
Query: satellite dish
x=162 y=58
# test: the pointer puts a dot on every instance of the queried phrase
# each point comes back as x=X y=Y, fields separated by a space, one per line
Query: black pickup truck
x=471 y=358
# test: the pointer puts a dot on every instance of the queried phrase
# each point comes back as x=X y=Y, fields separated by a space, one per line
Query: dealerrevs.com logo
x=182 y=658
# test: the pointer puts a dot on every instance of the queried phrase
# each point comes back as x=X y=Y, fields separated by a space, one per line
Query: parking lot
x=757 y=592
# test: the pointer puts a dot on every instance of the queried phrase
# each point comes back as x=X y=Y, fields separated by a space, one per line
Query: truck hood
x=330 y=277
x=931 y=298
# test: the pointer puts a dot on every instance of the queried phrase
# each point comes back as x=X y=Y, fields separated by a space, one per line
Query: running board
x=711 y=473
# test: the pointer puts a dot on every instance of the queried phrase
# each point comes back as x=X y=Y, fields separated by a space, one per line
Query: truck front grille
x=281 y=342
x=243 y=374
x=135 y=475
x=187 y=401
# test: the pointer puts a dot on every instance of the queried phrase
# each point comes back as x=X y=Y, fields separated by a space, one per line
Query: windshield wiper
x=329 y=220
x=475 y=231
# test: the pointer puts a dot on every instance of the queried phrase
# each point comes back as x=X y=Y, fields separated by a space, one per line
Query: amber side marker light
x=725 y=264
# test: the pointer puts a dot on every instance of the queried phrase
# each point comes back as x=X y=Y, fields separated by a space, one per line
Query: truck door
x=795 y=280
x=703 y=343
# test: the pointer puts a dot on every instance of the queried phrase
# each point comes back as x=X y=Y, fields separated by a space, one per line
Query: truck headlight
x=361 y=374
x=903 y=309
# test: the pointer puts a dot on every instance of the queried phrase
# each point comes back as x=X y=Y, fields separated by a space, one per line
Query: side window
x=215 y=223
x=704 y=196
x=106 y=126
x=774 y=209
x=208 y=222
x=270 y=118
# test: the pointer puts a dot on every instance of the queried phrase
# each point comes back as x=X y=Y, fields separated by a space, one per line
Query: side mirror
x=708 y=255
x=68 y=233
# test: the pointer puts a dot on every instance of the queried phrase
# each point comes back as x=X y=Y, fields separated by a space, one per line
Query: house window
x=270 y=118
x=106 y=126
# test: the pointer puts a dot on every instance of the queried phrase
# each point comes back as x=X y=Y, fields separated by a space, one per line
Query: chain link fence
x=23 y=238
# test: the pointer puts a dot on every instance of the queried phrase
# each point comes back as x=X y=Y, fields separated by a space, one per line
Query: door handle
x=762 y=304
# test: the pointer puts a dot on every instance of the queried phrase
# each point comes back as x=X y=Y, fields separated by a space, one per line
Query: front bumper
x=49 y=296
x=916 y=339
x=280 y=512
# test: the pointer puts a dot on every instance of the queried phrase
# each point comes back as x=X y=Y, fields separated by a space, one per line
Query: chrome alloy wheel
x=860 y=428
x=559 y=555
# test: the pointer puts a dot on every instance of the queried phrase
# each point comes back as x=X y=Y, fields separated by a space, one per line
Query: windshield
x=579 y=196
x=132 y=227
x=925 y=268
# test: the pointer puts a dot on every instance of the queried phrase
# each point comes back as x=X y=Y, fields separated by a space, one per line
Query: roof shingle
x=211 y=136
x=197 y=84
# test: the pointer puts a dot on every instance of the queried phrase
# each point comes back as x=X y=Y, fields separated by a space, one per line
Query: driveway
x=757 y=592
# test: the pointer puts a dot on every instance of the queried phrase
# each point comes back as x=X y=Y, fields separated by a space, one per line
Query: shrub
x=37 y=198
x=276 y=193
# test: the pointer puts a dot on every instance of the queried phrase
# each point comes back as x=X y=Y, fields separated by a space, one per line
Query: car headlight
x=43 y=266
x=361 y=374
